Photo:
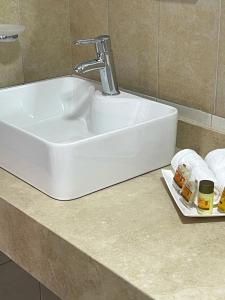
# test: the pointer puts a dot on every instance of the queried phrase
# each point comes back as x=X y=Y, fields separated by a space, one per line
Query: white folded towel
x=199 y=168
x=188 y=157
x=216 y=162
x=204 y=173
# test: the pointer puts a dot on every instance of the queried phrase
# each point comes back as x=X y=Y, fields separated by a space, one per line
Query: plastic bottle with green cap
x=205 y=197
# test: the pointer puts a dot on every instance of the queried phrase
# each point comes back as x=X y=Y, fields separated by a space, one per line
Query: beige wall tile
x=46 y=41
x=220 y=101
x=188 y=42
x=16 y=284
x=88 y=20
x=11 y=70
x=198 y=138
x=9 y=11
x=133 y=28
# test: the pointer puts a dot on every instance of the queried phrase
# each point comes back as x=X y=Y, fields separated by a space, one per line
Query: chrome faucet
x=104 y=63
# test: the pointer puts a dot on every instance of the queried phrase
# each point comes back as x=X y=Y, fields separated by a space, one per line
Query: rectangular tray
x=188 y=212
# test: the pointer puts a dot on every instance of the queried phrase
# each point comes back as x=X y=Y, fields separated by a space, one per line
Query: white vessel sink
x=66 y=139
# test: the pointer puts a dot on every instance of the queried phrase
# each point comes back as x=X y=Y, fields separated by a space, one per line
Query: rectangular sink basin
x=66 y=139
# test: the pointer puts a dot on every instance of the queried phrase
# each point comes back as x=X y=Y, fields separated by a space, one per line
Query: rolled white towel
x=221 y=179
x=216 y=159
x=199 y=168
x=216 y=162
x=188 y=157
x=203 y=173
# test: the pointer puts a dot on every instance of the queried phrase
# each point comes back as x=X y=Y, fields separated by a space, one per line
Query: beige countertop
x=125 y=242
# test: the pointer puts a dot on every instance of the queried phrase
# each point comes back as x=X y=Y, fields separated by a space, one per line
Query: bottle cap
x=206 y=187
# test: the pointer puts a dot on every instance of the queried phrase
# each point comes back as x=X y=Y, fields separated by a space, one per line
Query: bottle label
x=179 y=178
x=203 y=204
x=186 y=193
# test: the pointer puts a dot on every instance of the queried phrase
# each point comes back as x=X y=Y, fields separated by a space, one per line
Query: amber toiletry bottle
x=205 y=197
x=221 y=204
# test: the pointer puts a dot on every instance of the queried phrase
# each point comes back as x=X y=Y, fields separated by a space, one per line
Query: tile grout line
x=70 y=35
x=39 y=287
x=22 y=51
x=217 y=59
x=184 y=116
x=188 y=119
x=158 y=34
x=186 y=113
x=108 y=17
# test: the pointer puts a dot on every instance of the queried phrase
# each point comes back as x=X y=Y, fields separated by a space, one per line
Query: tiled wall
x=171 y=49
x=16 y=284
x=44 y=49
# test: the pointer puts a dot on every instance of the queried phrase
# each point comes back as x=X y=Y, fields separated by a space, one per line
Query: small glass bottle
x=205 y=197
x=221 y=204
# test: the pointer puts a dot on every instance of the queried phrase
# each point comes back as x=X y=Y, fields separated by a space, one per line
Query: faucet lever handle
x=102 y=43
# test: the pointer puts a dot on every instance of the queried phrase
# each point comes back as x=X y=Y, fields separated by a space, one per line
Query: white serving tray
x=188 y=212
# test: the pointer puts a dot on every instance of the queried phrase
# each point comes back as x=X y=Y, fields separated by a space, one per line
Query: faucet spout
x=91 y=65
x=104 y=63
